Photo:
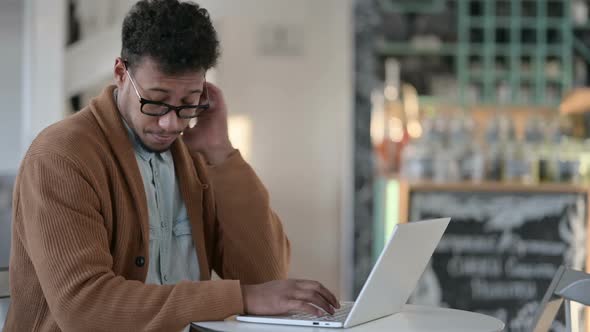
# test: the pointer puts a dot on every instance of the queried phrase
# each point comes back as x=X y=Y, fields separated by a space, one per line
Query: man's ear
x=119 y=72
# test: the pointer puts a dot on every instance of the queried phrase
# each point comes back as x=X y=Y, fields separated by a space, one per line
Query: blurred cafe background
x=361 y=114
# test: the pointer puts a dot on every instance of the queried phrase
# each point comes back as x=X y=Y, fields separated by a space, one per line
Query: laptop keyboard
x=339 y=316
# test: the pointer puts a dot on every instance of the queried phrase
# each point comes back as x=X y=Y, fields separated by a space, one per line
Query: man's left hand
x=210 y=135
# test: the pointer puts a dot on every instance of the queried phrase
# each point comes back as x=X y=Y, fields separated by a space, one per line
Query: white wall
x=301 y=110
x=11 y=34
x=43 y=70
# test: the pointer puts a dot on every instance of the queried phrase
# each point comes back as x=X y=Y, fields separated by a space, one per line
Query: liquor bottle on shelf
x=517 y=161
x=416 y=160
x=388 y=128
x=493 y=160
x=531 y=145
x=417 y=156
x=584 y=160
x=547 y=163
x=473 y=159
x=378 y=131
x=447 y=166
x=396 y=128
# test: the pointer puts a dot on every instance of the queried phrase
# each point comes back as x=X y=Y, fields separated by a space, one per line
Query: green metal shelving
x=535 y=50
x=413 y=6
x=533 y=58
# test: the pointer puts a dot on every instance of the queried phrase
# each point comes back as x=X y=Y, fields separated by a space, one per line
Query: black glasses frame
x=199 y=108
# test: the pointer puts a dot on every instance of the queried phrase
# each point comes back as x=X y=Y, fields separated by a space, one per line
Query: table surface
x=412 y=319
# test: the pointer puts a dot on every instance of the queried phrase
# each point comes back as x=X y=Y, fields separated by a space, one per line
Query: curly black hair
x=178 y=36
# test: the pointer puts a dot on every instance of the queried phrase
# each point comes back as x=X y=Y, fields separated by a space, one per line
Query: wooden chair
x=4 y=296
x=567 y=285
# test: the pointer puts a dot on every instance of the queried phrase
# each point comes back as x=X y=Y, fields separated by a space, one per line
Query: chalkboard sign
x=501 y=250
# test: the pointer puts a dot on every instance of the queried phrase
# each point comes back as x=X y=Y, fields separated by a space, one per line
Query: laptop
x=391 y=282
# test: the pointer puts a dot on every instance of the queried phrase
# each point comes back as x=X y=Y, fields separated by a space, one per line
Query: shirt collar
x=137 y=146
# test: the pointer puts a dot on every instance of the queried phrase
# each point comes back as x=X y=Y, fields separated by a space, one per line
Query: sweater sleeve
x=67 y=242
x=252 y=246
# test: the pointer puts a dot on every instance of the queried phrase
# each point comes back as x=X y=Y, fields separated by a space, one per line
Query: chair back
x=4 y=296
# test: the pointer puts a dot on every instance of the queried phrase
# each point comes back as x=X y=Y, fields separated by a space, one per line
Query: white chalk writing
x=515 y=269
x=494 y=244
x=474 y=266
x=503 y=290
x=467 y=243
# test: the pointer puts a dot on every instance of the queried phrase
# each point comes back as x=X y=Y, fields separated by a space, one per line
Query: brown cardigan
x=80 y=235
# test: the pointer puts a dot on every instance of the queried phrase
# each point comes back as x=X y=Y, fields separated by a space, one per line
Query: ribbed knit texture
x=80 y=222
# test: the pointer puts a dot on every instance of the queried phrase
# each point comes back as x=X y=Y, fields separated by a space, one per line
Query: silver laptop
x=389 y=285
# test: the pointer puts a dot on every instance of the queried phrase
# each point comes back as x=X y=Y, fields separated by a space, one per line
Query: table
x=412 y=318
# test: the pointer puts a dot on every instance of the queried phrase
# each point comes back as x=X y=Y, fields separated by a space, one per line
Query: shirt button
x=205 y=186
x=140 y=261
x=165 y=278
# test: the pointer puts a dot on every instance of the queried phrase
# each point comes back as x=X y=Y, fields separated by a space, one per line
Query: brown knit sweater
x=80 y=236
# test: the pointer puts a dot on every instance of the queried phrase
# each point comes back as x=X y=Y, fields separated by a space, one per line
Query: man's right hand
x=283 y=296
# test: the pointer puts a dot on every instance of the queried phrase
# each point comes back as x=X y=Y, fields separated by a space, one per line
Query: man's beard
x=147 y=148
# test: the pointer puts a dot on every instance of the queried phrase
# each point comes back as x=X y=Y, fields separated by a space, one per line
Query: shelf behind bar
x=490 y=186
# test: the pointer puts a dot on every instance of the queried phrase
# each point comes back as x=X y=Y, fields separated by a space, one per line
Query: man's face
x=156 y=133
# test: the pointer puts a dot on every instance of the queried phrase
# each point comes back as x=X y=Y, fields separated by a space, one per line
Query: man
x=121 y=211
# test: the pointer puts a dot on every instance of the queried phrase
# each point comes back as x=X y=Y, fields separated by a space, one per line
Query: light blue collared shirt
x=172 y=252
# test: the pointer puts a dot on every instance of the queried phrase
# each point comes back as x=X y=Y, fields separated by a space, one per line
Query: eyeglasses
x=156 y=108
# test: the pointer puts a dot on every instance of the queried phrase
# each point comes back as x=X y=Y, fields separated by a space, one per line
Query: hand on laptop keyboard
x=338 y=316
x=282 y=296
